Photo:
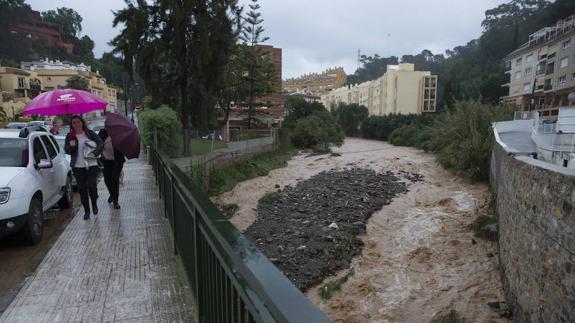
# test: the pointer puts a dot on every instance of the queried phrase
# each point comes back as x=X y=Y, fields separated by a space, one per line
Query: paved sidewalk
x=117 y=267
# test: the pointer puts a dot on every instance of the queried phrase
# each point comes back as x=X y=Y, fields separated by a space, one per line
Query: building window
x=517 y=75
x=554 y=112
x=566 y=44
x=564 y=62
x=529 y=58
x=519 y=61
x=21 y=82
x=526 y=87
x=573 y=77
x=528 y=71
x=562 y=79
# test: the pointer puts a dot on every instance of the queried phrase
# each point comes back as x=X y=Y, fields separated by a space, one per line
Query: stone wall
x=535 y=205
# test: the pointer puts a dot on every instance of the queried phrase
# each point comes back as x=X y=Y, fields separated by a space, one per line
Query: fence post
x=155 y=137
x=173 y=212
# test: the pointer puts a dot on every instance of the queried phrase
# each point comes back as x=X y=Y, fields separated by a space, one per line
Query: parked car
x=34 y=176
x=16 y=125
x=45 y=124
x=96 y=125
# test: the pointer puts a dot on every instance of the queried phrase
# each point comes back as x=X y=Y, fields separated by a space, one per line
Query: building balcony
x=548 y=88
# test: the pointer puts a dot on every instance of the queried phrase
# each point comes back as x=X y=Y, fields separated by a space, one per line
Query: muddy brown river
x=419 y=260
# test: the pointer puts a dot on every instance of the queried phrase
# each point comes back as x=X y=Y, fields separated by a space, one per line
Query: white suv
x=34 y=176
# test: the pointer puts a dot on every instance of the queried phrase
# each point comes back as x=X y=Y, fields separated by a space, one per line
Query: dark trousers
x=87 y=180
x=112 y=171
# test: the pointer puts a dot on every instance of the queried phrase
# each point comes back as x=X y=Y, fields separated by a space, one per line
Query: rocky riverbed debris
x=310 y=231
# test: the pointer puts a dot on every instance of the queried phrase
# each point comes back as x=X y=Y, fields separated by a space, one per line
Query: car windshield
x=12 y=152
x=60 y=142
x=37 y=123
x=15 y=125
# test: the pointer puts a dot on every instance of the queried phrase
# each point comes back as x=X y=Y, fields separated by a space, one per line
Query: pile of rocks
x=310 y=231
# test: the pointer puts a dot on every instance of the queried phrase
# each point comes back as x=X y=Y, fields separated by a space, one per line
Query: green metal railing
x=232 y=281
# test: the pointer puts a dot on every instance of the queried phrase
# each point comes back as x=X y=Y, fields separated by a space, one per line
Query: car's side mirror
x=44 y=163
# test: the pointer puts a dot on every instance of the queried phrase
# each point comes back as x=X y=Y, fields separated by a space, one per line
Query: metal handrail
x=231 y=279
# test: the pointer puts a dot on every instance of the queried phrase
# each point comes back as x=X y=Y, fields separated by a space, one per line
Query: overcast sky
x=318 y=34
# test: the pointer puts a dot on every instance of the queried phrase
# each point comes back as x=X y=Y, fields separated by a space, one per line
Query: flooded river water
x=419 y=260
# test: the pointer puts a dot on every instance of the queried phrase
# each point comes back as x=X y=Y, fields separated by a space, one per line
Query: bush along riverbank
x=310 y=231
x=462 y=138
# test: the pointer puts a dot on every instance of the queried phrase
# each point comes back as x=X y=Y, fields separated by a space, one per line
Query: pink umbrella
x=64 y=101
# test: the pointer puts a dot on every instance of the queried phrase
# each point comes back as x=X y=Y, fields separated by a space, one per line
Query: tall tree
x=13 y=46
x=78 y=83
x=259 y=71
x=68 y=19
x=172 y=44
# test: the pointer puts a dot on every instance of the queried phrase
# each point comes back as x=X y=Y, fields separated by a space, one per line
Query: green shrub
x=298 y=108
x=224 y=179
x=381 y=127
x=451 y=317
x=349 y=117
x=317 y=132
x=326 y=291
x=169 y=129
x=269 y=198
x=229 y=209
x=408 y=135
x=463 y=138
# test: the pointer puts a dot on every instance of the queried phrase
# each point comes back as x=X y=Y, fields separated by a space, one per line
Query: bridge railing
x=232 y=281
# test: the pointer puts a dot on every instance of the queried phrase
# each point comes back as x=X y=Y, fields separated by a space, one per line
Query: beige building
x=316 y=84
x=542 y=71
x=17 y=88
x=401 y=90
x=54 y=74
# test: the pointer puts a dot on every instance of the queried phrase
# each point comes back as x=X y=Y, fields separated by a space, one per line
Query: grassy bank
x=218 y=181
x=223 y=180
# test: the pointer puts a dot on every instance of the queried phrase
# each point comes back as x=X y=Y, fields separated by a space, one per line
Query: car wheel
x=33 y=229
x=66 y=200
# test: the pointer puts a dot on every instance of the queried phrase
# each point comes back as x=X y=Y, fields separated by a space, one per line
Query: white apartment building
x=401 y=90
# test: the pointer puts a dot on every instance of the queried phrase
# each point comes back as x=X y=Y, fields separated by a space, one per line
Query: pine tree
x=258 y=69
x=177 y=47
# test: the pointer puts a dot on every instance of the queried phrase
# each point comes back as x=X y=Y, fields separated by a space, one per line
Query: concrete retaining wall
x=535 y=204
x=236 y=151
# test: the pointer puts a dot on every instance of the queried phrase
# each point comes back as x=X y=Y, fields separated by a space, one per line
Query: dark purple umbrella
x=124 y=134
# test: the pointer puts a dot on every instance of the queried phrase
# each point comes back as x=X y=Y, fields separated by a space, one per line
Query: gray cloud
x=317 y=34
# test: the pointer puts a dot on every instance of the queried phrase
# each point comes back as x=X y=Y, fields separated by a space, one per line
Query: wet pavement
x=17 y=260
x=118 y=266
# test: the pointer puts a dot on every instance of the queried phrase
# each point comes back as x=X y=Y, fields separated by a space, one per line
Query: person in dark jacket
x=84 y=146
x=113 y=162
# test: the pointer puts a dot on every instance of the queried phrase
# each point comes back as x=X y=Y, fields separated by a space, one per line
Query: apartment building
x=17 y=87
x=401 y=90
x=54 y=74
x=542 y=71
x=316 y=84
x=20 y=85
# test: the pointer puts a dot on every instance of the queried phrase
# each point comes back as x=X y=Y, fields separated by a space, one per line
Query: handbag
x=90 y=147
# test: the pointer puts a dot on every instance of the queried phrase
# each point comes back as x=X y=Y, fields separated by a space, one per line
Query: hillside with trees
x=17 y=47
x=476 y=71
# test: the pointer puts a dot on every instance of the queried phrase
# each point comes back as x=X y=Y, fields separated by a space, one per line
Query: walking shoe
x=110 y=199
x=86 y=215
x=95 y=208
x=116 y=205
